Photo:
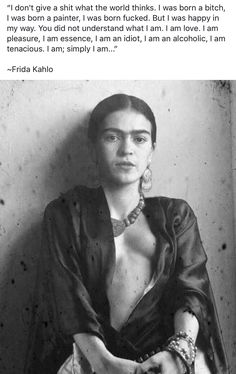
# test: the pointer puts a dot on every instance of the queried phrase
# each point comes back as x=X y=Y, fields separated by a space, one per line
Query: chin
x=126 y=180
x=122 y=179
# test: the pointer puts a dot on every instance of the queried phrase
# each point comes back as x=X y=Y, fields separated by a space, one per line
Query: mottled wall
x=233 y=120
x=43 y=152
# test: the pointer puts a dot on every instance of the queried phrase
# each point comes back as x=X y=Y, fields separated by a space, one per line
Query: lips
x=125 y=164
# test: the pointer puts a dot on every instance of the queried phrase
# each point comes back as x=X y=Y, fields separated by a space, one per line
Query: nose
x=126 y=147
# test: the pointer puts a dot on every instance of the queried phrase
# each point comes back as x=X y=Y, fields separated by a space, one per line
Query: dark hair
x=118 y=102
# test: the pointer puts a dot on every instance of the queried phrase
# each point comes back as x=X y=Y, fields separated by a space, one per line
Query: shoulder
x=177 y=212
x=69 y=201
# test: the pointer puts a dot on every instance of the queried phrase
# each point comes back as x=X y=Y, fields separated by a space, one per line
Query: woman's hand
x=116 y=365
x=163 y=362
x=101 y=360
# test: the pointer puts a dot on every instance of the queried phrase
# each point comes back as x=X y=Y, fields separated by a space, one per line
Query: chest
x=135 y=255
x=137 y=244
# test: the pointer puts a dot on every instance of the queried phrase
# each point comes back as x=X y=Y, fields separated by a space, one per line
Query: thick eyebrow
x=133 y=132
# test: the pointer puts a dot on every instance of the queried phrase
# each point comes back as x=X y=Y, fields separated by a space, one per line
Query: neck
x=121 y=200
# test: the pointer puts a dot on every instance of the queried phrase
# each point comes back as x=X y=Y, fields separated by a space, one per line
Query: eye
x=140 y=139
x=111 y=138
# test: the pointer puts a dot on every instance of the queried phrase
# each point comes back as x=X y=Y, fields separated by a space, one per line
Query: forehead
x=126 y=120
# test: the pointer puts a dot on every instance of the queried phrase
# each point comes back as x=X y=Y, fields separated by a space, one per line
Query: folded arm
x=101 y=360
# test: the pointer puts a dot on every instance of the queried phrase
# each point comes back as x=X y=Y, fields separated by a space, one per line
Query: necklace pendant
x=118 y=227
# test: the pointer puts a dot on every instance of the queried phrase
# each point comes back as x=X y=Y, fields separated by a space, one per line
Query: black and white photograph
x=117 y=228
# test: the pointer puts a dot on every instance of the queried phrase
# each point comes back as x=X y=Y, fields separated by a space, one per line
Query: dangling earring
x=146 y=179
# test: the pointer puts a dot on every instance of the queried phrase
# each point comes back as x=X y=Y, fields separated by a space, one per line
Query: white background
x=169 y=61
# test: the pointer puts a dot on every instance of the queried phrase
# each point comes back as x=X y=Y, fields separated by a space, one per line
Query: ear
x=151 y=153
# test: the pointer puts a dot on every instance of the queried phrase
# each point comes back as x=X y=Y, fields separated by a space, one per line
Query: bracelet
x=185 y=367
x=187 y=356
x=157 y=350
x=148 y=355
x=174 y=343
x=185 y=336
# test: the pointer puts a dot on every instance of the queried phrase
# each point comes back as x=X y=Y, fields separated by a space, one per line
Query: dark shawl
x=77 y=262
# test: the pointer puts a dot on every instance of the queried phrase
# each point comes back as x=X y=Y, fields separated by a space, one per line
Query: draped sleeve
x=190 y=286
x=72 y=303
x=191 y=282
x=62 y=302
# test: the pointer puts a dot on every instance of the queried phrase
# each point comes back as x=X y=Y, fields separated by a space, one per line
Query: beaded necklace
x=119 y=226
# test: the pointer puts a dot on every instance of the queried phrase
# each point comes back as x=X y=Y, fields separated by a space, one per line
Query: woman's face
x=123 y=147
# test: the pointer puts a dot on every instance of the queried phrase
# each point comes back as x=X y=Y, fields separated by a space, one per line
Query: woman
x=124 y=276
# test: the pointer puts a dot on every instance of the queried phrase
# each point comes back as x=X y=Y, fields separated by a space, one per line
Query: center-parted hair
x=114 y=103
